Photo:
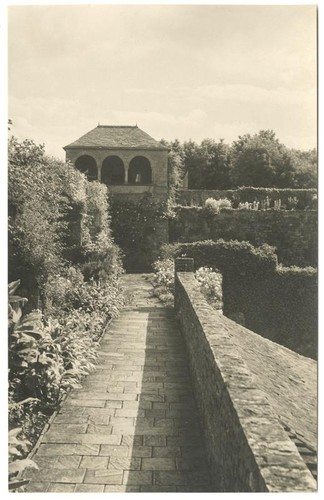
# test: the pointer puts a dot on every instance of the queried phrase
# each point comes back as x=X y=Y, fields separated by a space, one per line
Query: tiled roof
x=116 y=137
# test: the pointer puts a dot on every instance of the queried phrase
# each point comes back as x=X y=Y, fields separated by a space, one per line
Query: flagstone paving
x=134 y=425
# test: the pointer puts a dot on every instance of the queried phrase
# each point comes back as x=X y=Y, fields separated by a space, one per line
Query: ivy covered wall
x=139 y=227
x=292 y=232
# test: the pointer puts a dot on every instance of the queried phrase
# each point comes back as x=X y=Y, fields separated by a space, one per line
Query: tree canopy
x=258 y=160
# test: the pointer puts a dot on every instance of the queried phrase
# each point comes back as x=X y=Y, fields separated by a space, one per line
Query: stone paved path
x=133 y=426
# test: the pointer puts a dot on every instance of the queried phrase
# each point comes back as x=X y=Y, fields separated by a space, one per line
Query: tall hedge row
x=56 y=218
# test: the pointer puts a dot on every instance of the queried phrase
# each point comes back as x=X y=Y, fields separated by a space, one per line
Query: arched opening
x=140 y=171
x=88 y=166
x=113 y=171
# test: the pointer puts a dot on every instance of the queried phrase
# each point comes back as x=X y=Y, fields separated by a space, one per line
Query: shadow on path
x=167 y=446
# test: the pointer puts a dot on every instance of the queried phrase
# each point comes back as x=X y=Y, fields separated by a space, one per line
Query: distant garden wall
x=278 y=303
x=292 y=232
x=247 y=448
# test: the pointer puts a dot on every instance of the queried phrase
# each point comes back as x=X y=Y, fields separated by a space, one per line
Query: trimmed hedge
x=225 y=255
x=276 y=302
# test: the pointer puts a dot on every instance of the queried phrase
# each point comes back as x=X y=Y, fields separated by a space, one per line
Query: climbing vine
x=139 y=228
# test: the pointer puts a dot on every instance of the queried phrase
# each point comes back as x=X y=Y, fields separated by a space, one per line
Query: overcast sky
x=181 y=72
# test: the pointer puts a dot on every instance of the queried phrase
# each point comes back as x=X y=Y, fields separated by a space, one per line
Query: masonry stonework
x=125 y=144
x=158 y=161
x=248 y=450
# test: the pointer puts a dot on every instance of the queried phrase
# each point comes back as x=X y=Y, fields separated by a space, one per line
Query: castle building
x=125 y=158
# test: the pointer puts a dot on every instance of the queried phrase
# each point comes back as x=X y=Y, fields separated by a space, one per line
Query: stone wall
x=293 y=233
x=247 y=448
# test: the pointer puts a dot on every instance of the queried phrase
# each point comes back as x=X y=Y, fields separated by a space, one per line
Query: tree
x=305 y=167
x=260 y=160
x=217 y=166
x=208 y=164
x=175 y=167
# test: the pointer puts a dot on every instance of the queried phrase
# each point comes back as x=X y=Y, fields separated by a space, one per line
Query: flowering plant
x=210 y=283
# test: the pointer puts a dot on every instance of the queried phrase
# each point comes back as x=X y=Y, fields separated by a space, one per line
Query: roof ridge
x=117 y=126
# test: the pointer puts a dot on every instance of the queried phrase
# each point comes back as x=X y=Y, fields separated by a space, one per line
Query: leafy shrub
x=70 y=293
x=56 y=217
x=103 y=263
x=101 y=257
x=41 y=192
x=249 y=206
x=47 y=356
x=163 y=280
x=210 y=282
x=165 y=297
x=16 y=448
x=214 y=206
x=164 y=273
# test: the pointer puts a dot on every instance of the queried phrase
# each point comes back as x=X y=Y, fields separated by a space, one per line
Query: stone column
x=99 y=166
x=126 y=174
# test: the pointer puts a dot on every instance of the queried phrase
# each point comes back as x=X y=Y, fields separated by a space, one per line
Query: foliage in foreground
x=48 y=355
x=63 y=258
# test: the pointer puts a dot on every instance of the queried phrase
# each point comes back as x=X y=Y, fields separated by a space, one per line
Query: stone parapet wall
x=248 y=450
